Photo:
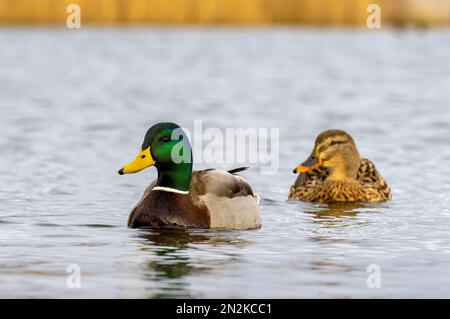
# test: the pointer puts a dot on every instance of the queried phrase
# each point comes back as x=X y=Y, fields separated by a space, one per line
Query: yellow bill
x=143 y=160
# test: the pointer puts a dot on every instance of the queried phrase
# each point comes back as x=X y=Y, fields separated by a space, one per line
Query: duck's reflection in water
x=332 y=225
x=332 y=221
x=336 y=214
x=176 y=254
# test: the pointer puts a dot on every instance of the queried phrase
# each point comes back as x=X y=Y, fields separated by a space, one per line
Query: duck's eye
x=334 y=142
x=165 y=139
x=142 y=156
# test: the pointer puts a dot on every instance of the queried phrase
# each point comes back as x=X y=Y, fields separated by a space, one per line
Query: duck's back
x=375 y=187
x=229 y=198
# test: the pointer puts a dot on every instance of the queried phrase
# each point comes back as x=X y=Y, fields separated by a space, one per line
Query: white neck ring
x=170 y=190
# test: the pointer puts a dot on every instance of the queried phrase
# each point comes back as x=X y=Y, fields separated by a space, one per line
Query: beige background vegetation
x=236 y=12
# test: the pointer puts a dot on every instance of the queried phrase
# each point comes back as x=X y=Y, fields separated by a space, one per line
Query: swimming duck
x=335 y=172
x=182 y=198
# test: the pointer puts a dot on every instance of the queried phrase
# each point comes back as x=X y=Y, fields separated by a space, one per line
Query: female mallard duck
x=182 y=198
x=334 y=172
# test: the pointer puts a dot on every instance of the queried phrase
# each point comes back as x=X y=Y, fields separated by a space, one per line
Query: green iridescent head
x=166 y=147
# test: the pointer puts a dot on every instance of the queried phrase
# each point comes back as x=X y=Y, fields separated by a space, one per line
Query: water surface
x=74 y=106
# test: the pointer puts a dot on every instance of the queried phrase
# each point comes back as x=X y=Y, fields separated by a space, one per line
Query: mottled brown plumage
x=335 y=173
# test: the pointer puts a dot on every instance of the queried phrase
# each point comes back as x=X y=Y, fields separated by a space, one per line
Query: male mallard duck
x=334 y=172
x=182 y=198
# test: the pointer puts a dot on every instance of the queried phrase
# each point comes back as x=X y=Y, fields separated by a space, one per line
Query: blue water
x=74 y=107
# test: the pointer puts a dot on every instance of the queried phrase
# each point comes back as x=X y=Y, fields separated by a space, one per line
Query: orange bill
x=308 y=165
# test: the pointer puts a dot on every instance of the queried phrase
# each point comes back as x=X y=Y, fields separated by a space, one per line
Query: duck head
x=166 y=147
x=335 y=150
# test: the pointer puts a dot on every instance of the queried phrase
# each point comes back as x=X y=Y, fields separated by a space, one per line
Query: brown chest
x=161 y=209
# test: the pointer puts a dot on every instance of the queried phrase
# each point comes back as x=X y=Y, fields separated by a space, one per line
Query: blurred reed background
x=239 y=12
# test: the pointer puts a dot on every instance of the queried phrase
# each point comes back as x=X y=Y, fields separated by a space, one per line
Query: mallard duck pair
x=211 y=198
